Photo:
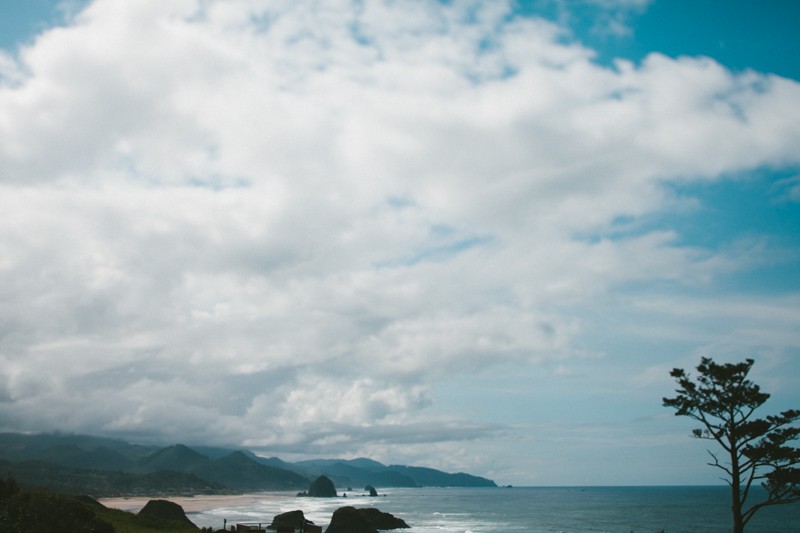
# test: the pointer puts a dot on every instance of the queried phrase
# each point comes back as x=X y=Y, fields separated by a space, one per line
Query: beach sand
x=194 y=504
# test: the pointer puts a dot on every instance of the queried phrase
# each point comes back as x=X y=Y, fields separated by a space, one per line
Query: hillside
x=429 y=477
x=81 y=464
x=346 y=473
x=23 y=510
x=101 y=483
x=361 y=472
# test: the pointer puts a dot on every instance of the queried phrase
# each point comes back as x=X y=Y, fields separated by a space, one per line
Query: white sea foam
x=533 y=510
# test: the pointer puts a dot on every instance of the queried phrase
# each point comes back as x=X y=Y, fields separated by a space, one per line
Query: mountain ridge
x=120 y=467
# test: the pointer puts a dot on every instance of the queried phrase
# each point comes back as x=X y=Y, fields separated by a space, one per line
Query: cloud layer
x=282 y=224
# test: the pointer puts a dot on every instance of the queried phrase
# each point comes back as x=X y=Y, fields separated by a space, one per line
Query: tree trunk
x=736 y=479
x=738 y=524
x=736 y=486
x=736 y=502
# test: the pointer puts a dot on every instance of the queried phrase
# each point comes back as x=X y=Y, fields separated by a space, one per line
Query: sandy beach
x=213 y=510
x=195 y=504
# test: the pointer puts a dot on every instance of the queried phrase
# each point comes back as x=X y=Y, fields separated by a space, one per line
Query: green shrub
x=45 y=512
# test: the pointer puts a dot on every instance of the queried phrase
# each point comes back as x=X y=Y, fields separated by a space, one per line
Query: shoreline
x=212 y=510
x=195 y=504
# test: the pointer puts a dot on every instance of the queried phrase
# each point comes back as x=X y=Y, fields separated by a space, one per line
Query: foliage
x=62 y=479
x=724 y=401
x=39 y=511
x=8 y=488
x=125 y=522
x=46 y=512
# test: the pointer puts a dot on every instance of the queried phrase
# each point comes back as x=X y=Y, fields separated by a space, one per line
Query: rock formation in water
x=290 y=521
x=322 y=487
x=352 y=520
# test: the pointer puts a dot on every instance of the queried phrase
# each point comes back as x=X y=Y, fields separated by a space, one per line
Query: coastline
x=678 y=509
x=196 y=504
x=212 y=510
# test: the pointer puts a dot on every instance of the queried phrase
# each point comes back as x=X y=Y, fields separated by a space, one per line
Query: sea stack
x=322 y=487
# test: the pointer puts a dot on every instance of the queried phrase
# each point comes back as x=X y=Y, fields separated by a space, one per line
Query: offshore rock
x=348 y=520
x=371 y=490
x=352 y=520
x=290 y=521
x=382 y=520
x=322 y=487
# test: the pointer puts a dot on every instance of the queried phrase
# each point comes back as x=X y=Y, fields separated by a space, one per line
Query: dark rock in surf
x=290 y=521
x=382 y=520
x=348 y=520
x=322 y=487
x=352 y=520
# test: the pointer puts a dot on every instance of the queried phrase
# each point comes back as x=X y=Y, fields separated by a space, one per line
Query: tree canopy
x=757 y=450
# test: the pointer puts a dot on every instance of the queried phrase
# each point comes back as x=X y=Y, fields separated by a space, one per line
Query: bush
x=44 y=512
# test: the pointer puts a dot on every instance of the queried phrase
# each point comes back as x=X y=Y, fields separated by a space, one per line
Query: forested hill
x=106 y=467
x=361 y=471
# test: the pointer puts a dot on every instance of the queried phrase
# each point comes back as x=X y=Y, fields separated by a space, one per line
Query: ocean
x=506 y=510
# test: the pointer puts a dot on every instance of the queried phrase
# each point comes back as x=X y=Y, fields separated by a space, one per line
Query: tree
x=724 y=401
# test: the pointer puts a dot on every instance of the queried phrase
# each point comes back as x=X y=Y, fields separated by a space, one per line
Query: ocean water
x=524 y=509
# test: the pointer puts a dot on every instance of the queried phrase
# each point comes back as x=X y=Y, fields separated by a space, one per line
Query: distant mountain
x=98 y=459
x=236 y=470
x=429 y=477
x=99 y=483
x=346 y=473
x=20 y=446
x=361 y=462
x=367 y=464
x=103 y=466
x=60 y=461
x=272 y=461
x=242 y=472
x=362 y=472
x=104 y=459
x=178 y=457
x=215 y=452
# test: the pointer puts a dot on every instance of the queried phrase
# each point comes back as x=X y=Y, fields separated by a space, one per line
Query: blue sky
x=467 y=235
x=739 y=34
x=22 y=21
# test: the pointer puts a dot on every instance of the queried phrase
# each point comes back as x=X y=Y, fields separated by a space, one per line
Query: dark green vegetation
x=428 y=477
x=39 y=511
x=362 y=472
x=80 y=464
x=724 y=401
x=107 y=483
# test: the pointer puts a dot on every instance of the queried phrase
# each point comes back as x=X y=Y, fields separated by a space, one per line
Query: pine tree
x=724 y=401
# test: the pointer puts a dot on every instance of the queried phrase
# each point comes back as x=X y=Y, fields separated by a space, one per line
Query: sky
x=474 y=236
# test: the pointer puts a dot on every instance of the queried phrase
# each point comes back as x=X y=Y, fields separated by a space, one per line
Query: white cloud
x=283 y=223
x=606 y=18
